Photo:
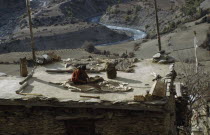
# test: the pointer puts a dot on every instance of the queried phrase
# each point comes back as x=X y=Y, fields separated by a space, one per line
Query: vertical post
x=196 y=58
x=23 y=67
x=157 y=23
x=31 y=30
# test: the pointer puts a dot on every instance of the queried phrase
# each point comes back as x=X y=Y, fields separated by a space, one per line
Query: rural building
x=48 y=109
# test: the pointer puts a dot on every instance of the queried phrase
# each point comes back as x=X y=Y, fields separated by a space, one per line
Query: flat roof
x=140 y=81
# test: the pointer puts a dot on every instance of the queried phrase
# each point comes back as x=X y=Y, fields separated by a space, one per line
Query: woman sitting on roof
x=80 y=76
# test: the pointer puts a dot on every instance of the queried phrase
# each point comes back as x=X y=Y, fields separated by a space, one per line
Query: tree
x=195 y=93
x=89 y=47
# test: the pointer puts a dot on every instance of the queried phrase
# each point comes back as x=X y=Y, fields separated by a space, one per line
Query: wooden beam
x=68 y=71
x=28 y=77
x=59 y=70
x=97 y=97
x=21 y=88
x=33 y=94
x=87 y=117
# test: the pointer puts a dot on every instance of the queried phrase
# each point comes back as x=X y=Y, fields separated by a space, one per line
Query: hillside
x=141 y=14
x=58 y=24
x=64 y=24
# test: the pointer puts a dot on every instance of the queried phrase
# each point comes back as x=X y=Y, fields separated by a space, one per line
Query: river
x=137 y=34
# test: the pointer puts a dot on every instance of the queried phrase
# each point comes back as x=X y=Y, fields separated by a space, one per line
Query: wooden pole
x=21 y=88
x=157 y=24
x=196 y=58
x=31 y=30
x=97 y=97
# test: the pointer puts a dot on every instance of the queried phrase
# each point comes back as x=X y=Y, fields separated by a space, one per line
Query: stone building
x=49 y=109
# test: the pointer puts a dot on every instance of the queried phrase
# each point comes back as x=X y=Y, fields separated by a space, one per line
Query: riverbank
x=48 y=38
x=135 y=33
x=178 y=43
x=62 y=37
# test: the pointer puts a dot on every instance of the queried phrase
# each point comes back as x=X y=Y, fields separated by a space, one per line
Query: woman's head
x=83 y=67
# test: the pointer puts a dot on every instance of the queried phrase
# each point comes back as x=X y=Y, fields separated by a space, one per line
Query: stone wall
x=29 y=121
x=20 y=120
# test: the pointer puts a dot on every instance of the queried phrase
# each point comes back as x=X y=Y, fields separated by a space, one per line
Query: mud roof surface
x=140 y=81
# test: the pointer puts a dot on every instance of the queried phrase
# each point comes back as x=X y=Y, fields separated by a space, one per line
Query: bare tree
x=195 y=91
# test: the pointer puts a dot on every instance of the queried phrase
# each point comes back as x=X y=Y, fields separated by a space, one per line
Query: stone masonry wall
x=20 y=120
x=29 y=121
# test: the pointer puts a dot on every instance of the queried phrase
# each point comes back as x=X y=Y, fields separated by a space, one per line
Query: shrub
x=24 y=16
x=69 y=12
x=108 y=9
x=112 y=10
x=191 y=7
x=131 y=54
x=96 y=51
x=108 y=53
x=89 y=46
x=137 y=8
x=124 y=55
x=172 y=25
x=136 y=46
x=147 y=26
x=104 y=52
x=129 y=12
x=115 y=11
x=134 y=17
x=116 y=54
x=127 y=18
x=165 y=29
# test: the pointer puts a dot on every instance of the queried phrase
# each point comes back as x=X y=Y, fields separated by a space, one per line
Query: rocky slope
x=141 y=14
x=10 y=3
x=12 y=13
x=61 y=12
x=9 y=12
x=62 y=37
x=51 y=21
x=205 y=5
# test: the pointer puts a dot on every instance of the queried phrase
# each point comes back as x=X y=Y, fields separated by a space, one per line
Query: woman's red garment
x=79 y=76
